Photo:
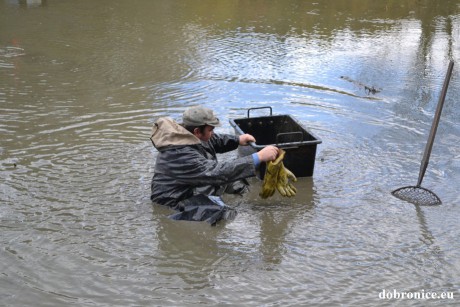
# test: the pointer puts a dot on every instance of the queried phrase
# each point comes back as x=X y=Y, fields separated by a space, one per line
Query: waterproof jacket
x=186 y=166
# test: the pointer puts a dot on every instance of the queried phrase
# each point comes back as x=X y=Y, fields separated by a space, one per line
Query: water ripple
x=77 y=223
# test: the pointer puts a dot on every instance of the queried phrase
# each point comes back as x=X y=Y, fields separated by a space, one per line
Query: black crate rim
x=284 y=145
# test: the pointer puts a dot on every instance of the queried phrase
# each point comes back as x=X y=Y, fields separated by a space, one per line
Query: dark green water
x=81 y=83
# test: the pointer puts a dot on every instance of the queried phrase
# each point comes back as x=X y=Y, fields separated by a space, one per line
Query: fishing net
x=417 y=195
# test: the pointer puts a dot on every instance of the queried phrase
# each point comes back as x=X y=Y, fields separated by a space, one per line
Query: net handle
x=434 y=126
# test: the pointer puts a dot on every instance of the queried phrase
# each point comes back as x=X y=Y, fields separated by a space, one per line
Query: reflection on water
x=27 y=3
x=82 y=82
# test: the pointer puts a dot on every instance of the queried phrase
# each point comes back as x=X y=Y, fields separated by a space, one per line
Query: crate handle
x=289 y=133
x=271 y=111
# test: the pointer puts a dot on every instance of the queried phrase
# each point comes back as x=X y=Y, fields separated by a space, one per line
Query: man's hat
x=199 y=116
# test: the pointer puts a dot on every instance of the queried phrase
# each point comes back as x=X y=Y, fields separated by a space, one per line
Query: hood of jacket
x=166 y=132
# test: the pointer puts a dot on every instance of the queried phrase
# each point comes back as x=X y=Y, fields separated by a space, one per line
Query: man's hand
x=268 y=153
x=245 y=139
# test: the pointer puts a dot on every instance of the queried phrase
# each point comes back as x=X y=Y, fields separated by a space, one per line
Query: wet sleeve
x=256 y=159
x=224 y=142
x=197 y=170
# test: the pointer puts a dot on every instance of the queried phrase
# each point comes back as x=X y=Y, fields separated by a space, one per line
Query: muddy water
x=83 y=81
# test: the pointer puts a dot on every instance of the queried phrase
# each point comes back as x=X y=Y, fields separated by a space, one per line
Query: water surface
x=81 y=83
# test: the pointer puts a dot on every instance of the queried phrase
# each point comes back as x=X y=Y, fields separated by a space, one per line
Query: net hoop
x=417 y=195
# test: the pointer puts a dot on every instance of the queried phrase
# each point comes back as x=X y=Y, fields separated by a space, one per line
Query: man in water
x=187 y=164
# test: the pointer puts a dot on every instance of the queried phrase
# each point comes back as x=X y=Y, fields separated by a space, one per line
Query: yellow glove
x=283 y=185
x=271 y=176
